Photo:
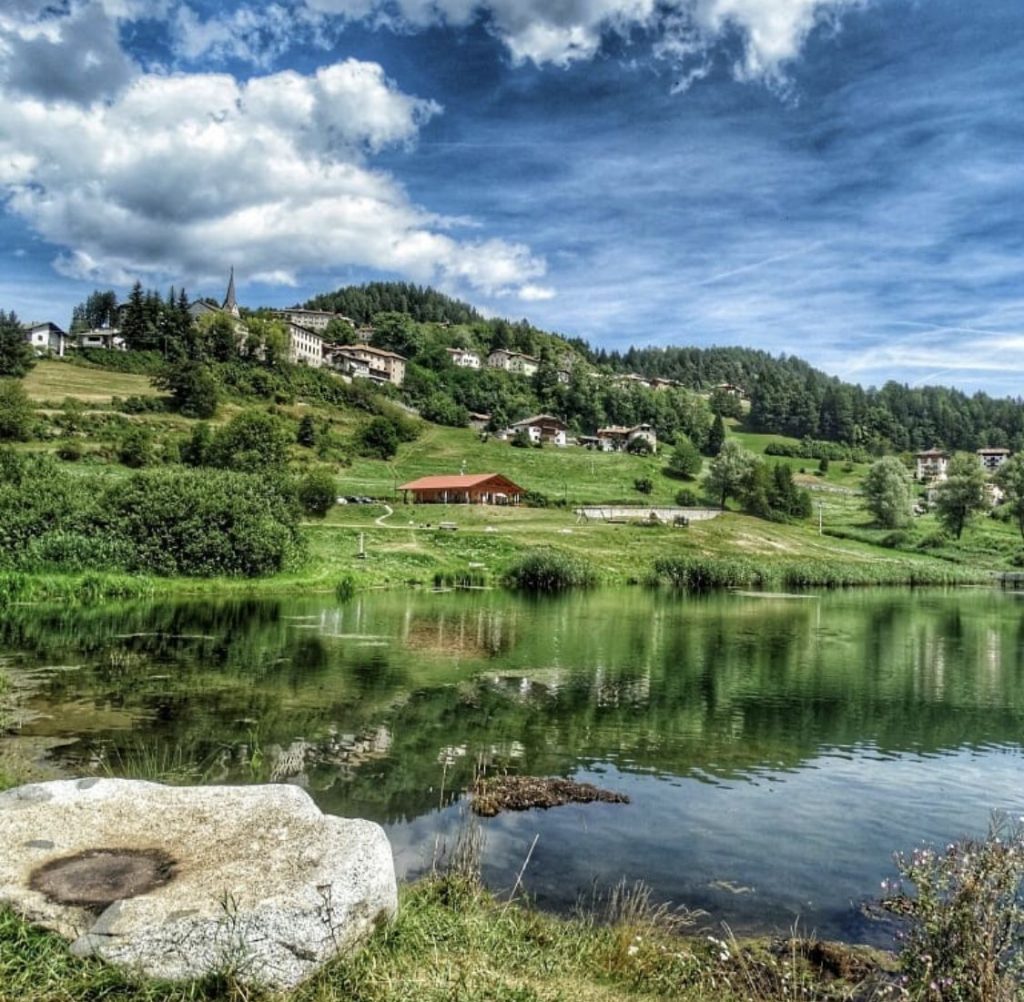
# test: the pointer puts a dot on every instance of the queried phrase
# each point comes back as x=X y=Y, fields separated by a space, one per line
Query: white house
x=543 y=428
x=46 y=338
x=464 y=358
x=105 y=338
x=305 y=346
x=992 y=459
x=312 y=320
x=384 y=366
x=618 y=438
x=932 y=464
x=513 y=361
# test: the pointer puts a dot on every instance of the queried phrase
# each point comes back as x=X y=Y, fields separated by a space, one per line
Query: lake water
x=776 y=750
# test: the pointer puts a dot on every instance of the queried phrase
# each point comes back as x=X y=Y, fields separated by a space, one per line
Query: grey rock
x=253 y=881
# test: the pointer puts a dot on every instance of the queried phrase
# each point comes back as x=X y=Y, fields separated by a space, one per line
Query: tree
x=193 y=387
x=317 y=492
x=887 y=492
x=1010 y=477
x=98 y=311
x=685 y=461
x=136 y=448
x=961 y=494
x=730 y=471
x=16 y=354
x=643 y=484
x=15 y=412
x=251 y=442
x=378 y=439
x=306 y=434
x=716 y=437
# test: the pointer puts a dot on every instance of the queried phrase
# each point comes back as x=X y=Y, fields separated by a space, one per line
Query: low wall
x=643 y=513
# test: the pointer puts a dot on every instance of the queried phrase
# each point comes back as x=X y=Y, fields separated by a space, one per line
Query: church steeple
x=230 y=303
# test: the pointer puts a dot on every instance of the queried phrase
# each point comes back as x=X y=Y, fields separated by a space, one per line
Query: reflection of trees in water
x=370 y=702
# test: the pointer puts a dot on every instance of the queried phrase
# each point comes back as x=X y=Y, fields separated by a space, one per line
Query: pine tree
x=16 y=354
x=716 y=437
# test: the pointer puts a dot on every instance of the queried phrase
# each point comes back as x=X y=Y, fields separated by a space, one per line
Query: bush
x=643 y=484
x=69 y=450
x=307 y=433
x=202 y=523
x=685 y=461
x=316 y=493
x=378 y=439
x=136 y=449
x=964 y=920
x=687 y=498
x=194 y=388
x=70 y=550
x=550 y=570
x=639 y=447
x=536 y=499
x=251 y=442
x=16 y=414
x=521 y=439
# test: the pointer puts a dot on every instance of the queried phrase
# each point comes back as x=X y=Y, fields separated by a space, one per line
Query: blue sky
x=836 y=179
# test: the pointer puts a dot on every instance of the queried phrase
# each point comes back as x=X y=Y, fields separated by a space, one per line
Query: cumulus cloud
x=76 y=57
x=181 y=174
x=772 y=32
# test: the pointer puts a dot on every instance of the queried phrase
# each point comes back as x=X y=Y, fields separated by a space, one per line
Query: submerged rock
x=495 y=794
x=181 y=882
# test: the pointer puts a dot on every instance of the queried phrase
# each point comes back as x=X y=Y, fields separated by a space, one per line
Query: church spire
x=230 y=303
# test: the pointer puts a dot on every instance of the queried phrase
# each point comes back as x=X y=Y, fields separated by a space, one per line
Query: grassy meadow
x=406 y=547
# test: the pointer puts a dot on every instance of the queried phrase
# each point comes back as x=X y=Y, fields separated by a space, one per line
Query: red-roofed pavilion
x=465 y=488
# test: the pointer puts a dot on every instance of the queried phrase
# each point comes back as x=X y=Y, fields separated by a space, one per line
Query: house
x=542 y=428
x=105 y=338
x=384 y=366
x=630 y=379
x=513 y=361
x=932 y=464
x=305 y=346
x=731 y=389
x=465 y=488
x=617 y=438
x=464 y=358
x=46 y=338
x=347 y=363
x=992 y=459
x=663 y=384
x=311 y=320
x=478 y=420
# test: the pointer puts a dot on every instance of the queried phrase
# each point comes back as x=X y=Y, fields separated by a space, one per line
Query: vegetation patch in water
x=494 y=794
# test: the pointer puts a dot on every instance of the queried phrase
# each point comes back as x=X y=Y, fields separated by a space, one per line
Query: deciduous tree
x=887 y=492
x=961 y=494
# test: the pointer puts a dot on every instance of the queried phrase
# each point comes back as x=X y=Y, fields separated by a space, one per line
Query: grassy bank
x=408 y=549
x=454 y=941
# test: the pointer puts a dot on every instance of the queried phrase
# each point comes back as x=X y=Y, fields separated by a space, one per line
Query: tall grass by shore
x=549 y=570
x=18 y=586
x=700 y=573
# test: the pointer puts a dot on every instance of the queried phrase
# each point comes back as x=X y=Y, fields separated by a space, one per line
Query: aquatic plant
x=550 y=570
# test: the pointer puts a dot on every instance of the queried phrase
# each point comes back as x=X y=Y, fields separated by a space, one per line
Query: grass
x=454 y=941
x=53 y=381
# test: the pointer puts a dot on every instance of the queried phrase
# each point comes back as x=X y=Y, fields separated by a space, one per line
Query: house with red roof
x=464 y=488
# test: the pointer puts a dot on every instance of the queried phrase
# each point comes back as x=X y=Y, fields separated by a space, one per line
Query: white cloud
x=772 y=32
x=536 y=293
x=180 y=175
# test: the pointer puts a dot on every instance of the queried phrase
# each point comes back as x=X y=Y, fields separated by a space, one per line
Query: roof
x=460 y=481
x=932 y=452
x=995 y=451
x=371 y=350
x=538 y=418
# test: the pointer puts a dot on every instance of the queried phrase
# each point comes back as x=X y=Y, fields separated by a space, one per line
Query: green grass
x=453 y=942
x=53 y=381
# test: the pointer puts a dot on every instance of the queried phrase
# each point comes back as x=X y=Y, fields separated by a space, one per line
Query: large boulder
x=180 y=882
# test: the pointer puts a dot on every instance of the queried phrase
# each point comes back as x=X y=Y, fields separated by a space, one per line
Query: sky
x=841 y=180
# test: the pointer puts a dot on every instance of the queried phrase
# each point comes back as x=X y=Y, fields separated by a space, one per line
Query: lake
x=776 y=750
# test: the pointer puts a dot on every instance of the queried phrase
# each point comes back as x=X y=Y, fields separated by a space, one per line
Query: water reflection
x=785 y=746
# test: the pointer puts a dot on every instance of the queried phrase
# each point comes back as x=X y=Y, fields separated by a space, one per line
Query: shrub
x=521 y=439
x=194 y=388
x=643 y=484
x=136 y=449
x=316 y=493
x=550 y=570
x=202 y=523
x=306 y=434
x=71 y=550
x=685 y=461
x=69 y=450
x=378 y=439
x=536 y=499
x=639 y=447
x=964 y=920
x=251 y=442
x=687 y=498
x=16 y=414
